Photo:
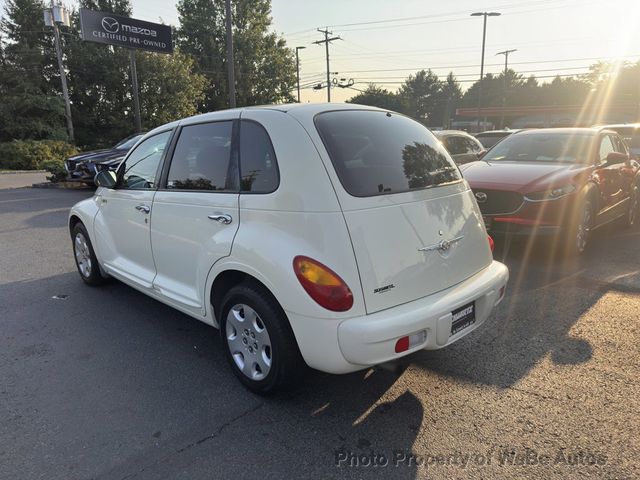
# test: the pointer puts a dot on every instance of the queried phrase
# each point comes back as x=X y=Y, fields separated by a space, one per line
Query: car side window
x=201 y=159
x=606 y=147
x=619 y=144
x=258 y=167
x=141 y=167
x=471 y=145
x=454 y=145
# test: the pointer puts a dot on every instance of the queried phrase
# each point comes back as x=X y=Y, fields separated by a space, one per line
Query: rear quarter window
x=378 y=153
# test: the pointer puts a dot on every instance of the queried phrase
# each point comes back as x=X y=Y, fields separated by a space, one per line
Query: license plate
x=463 y=317
x=487 y=222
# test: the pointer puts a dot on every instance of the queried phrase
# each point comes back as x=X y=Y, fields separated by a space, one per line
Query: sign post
x=110 y=29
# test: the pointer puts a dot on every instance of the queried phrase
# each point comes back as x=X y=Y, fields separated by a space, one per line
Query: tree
x=101 y=104
x=446 y=100
x=30 y=108
x=421 y=93
x=264 y=67
x=169 y=87
x=381 y=98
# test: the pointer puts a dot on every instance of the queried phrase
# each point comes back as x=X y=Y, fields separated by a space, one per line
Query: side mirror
x=105 y=178
x=615 y=158
x=482 y=154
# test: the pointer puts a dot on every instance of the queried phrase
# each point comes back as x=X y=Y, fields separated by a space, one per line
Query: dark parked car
x=565 y=181
x=462 y=147
x=630 y=132
x=489 y=138
x=83 y=167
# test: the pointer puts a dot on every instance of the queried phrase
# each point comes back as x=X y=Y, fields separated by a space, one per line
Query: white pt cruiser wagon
x=334 y=235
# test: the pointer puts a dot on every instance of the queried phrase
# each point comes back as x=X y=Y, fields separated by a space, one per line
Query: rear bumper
x=359 y=342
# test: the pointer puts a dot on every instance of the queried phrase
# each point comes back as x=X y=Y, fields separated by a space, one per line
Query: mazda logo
x=110 y=25
x=481 y=197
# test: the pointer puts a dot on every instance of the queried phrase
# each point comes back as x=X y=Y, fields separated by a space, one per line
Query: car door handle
x=143 y=208
x=222 y=218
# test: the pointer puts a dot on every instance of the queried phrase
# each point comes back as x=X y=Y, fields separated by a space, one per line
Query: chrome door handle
x=222 y=218
x=143 y=208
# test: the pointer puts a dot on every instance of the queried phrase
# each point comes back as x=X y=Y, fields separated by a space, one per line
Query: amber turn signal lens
x=323 y=284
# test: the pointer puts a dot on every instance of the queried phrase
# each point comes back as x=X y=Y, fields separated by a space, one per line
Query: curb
x=61 y=185
x=14 y=172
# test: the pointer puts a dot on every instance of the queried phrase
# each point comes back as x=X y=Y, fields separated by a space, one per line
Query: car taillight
x=491 y=242
x=323 y=284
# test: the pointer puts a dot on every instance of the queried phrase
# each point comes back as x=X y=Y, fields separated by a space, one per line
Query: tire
x=85 y=256
x=634 y=205
x=258 y=341
x=580 y=232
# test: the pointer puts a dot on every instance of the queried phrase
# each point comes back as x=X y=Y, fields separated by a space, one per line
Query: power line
x=326 y=42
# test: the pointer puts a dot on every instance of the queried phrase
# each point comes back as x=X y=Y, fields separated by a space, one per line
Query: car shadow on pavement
x=144 y=390
x=546 y=295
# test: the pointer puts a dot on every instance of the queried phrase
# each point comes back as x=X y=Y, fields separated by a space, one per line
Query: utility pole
x=230 y=67
x=504 y=93
x=326 y=42
x=298 y=71
x=59 y=16
x=484 y=37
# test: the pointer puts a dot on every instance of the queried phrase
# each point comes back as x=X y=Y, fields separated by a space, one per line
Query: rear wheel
x=258 y=341
x=85 y=257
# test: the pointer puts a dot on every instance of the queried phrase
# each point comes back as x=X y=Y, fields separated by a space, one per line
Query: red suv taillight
x=323 y=284
x=492 y=244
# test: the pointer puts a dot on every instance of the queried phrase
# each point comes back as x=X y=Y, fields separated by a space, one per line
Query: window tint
x=606 y=147
x=376 y=153
x=619 y=145
x=258 y=167
x=141 y=166
x=201 y=158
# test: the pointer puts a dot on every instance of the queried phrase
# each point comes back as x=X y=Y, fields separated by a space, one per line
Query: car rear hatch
x=413 y=222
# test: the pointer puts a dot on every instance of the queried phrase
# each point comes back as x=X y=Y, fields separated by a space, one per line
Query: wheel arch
x=229 y=277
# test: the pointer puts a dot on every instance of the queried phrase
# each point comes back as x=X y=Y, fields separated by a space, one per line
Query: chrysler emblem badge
x=481 y=197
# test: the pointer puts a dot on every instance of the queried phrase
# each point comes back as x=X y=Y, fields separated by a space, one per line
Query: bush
x=56 y=169
x=32 y=154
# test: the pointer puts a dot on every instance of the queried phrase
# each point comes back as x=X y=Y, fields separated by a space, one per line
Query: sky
x=383 y=41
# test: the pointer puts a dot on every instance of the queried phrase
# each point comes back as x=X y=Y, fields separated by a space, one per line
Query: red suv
x=565 y=181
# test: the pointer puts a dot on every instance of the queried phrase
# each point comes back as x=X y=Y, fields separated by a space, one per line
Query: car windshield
x=377 y=153
x=560 y=147
x=489 y=141
x=127 y=143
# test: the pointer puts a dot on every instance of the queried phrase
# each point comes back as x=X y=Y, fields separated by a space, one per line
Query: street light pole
x=504 y=93
x=230 y=67
x=484 y=37
x=298 y=71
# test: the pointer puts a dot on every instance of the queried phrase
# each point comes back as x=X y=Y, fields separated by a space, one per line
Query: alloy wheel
x=584 y=228
x=83 y=255
x=248 y=342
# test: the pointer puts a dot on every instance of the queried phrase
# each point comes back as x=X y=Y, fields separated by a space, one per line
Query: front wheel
x=634 y=204
x=85 y=257
x=258 y=341
x=581 y=230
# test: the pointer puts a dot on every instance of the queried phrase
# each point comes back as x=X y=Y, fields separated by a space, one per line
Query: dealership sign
x=104 y=27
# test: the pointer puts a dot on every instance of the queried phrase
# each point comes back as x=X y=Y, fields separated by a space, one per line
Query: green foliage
x=379 y=97
x=264 y=66
x=30 y=107
x=56 y=169
x=169 y=87
x=33 y=154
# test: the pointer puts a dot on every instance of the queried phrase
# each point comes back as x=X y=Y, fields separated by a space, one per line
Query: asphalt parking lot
x=107 y=383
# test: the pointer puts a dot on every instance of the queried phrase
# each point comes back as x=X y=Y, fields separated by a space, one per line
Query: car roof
x=619 y=125
x=561 y=131
x=495 y=133
x=447 y=133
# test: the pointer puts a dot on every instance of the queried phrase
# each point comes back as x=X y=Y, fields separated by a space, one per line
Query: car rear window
x=378 y=153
